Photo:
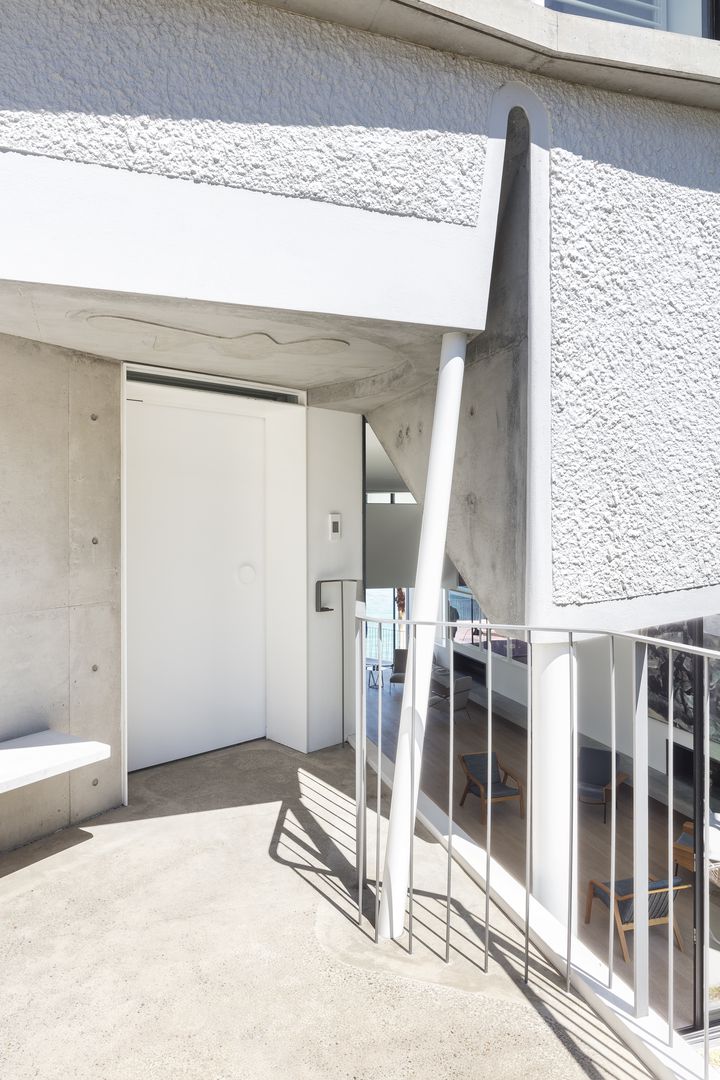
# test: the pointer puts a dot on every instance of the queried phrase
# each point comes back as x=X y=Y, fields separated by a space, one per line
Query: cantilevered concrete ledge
x=36 y=757
x=527 y=36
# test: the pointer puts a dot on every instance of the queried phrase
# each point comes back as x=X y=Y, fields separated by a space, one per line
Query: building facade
x=278 y=213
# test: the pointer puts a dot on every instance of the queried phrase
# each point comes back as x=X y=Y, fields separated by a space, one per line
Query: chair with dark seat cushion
x=595 y=776
x=623 y=905
x=475 y=767
x=399 y=668
x=440 y=694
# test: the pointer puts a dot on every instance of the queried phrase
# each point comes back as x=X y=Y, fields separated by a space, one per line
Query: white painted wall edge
x=647 y=1036
x=635 y=613
x=123 y=591
x=525 y=35
x=88 y=226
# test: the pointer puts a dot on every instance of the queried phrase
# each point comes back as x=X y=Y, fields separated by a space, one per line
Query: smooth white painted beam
x=36 y=757
x=89 y=227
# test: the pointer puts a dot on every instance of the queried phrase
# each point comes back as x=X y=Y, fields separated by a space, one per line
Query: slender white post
x=428 y=579
x=641 y=935
x=550 y=792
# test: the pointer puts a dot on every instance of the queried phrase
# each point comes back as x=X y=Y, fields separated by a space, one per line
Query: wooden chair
x=684 y=848
x=623 y=906
x=684 y=851
x=475 y=767
x=595 y=777
x=440 y=695
x=399 y=668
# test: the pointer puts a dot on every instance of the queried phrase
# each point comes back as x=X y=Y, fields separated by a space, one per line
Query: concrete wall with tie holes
x=60 y=649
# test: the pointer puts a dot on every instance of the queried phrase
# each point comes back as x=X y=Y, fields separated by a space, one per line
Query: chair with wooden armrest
x=595 y=777
x=623 y=905
x=440 y=695
x=475 y=767
x=684 y=848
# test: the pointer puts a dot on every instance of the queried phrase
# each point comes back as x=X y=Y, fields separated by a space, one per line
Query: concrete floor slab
x=208 y=932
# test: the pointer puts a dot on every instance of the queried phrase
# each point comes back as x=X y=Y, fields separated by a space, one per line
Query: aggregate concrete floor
x=208 y=932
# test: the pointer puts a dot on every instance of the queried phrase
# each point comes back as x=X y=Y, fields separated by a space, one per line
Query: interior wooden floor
x=508 y=837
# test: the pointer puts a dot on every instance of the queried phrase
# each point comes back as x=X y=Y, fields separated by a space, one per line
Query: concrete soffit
x=524 y=35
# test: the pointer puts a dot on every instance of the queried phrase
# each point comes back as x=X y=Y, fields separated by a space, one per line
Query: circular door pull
x=246 y=574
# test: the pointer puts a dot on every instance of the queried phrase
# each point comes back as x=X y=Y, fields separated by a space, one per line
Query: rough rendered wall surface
x=486 y=525
x=59 y=592
x=636 y=347
x=232 y=93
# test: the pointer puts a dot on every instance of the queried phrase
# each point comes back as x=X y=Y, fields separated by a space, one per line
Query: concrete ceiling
x=343 y=363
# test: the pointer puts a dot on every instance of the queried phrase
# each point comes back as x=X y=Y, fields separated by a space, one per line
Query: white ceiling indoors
x=342 y=362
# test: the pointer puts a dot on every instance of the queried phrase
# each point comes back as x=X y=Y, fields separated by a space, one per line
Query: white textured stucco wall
x=236 y=94
x=636 y=347
x=230 y=93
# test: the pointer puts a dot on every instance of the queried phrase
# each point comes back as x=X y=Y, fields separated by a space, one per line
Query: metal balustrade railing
x=638 y=644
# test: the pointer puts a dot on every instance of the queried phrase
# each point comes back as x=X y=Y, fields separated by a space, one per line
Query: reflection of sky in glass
x=379 y=603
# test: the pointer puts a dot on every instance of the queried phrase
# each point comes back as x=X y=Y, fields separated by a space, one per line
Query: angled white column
x=552 y=772
x=428 y=580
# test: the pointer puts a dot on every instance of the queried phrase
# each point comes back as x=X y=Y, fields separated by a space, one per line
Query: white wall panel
x=334 y=486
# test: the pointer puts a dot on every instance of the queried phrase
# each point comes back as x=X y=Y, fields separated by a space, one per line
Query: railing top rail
x=521 y=631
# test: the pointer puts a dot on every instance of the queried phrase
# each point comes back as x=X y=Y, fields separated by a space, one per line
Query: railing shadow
x=311 y=841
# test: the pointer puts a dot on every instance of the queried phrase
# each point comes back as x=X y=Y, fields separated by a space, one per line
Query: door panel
x=195 y=575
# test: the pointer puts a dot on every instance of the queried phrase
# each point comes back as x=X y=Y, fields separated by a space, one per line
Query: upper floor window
x=679 y=16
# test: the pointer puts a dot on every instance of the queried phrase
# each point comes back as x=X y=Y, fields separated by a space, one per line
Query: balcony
x=669 y=983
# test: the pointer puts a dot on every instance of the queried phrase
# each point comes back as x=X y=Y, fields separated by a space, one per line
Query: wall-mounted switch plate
x=335 y=523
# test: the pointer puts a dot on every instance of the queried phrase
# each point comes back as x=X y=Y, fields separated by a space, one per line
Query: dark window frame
x=710 y=18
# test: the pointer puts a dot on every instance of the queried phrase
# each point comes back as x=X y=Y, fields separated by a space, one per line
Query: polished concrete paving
x=208 y=932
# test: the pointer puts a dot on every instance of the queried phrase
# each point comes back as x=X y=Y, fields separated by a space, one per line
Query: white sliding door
x=196 y=572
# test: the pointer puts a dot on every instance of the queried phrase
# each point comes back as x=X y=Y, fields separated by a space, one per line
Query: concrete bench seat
x=36 y=757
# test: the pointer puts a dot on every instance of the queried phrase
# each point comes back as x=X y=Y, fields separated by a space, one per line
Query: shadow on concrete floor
x=211 y=929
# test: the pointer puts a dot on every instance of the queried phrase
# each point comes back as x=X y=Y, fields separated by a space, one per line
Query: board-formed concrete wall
x=59 y=591
x=241 y=95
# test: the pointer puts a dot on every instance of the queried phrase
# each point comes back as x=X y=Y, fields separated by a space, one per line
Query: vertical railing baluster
x=613 y=809
x=412 y=793
x=378 y=809
x=488 y=779
x=670 y=841
x=706 y=868
x=641 y=937
x=451 y=756
x=573 y=806
x=361 y=787
x=528 y=806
